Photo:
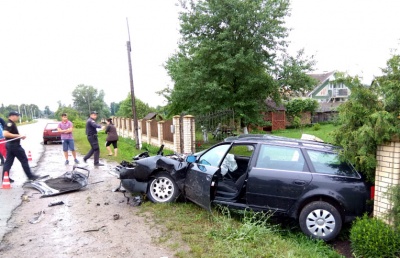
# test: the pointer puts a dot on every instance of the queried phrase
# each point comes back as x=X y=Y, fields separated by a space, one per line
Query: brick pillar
x=160 y=132
x=148 y=130
x=188 y=134
x=140 y=132
x=118 y=125
x=177 y=136
x=124 y=126
x=386 y=175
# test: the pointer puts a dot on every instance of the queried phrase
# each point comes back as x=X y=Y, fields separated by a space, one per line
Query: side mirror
x=191 y=159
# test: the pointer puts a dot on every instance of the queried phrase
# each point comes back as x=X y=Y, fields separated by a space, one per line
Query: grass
x=226 y=234
x=323 y=133
x=221 y=233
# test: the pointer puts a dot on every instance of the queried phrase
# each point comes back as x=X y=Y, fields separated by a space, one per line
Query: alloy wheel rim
x=162 y=189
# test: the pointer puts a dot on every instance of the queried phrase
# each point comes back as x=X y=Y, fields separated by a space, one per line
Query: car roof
x=259 y=138
x=51 y=124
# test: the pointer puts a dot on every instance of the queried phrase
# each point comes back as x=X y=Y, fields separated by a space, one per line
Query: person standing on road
x=91 y=132
x=3 y=152
x=14 y=148
x=65 y=127
x=112 y=137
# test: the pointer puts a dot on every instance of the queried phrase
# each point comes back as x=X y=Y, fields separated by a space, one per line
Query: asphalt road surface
x=11 y=198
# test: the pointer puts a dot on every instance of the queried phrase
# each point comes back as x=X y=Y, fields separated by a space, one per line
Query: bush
x=394 y=212
x=316 y=127
x=79 y=123
x=371 y=237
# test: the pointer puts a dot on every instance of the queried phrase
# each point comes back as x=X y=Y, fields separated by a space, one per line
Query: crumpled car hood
x=68 y=182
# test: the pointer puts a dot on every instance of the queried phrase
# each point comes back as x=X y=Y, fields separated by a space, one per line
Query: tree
x=227 y=57
x=87 y=99
x=114 y=107
x=47 y=110
x=142 y=109
x=70 y=111
x=369 y=118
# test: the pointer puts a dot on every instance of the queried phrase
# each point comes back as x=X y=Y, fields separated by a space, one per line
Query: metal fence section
x=218 y=120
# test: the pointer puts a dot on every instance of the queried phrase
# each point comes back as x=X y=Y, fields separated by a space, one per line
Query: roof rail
x=272 y=138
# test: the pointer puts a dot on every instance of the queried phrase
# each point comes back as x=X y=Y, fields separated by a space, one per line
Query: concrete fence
x=177 y=134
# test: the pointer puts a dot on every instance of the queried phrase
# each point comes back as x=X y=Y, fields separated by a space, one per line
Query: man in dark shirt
x=14 y=148
x=91 y=132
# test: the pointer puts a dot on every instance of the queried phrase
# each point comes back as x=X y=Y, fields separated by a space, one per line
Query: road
x=11 y=198
x=85 y=225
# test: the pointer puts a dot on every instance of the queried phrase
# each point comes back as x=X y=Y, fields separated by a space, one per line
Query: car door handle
x=300 y=182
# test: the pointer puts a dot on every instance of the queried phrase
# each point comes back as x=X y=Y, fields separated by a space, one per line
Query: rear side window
x=280 y=158
x=329 y=163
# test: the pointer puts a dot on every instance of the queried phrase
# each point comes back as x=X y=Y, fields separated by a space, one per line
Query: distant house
x=328 y=92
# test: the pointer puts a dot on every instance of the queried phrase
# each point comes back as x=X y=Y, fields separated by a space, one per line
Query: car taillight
x=372 y=194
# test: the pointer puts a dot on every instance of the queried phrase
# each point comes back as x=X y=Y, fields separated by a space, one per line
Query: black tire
x=320 y=220
x=162 y=188
x=45 y=142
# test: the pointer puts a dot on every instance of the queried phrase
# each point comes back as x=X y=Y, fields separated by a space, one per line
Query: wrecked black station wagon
x=301 y=179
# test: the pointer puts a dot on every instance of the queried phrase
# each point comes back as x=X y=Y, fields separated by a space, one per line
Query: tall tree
x=114 y=107
x=142 y=109
x=47 y=110
x=228 y=56
x=370 y=117
x=87 y=99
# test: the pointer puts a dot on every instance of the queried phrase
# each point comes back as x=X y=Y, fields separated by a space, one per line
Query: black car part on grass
x=68 y=182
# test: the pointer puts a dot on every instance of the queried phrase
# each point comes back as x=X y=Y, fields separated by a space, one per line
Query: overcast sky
x=47 y=48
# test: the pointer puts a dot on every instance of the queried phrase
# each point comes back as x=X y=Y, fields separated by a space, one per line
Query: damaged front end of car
x=160 y=177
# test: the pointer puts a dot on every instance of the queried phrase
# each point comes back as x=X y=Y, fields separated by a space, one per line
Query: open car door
x=199 y=182
x=201 y=177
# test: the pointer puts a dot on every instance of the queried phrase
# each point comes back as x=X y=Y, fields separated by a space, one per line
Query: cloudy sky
x=47 y=48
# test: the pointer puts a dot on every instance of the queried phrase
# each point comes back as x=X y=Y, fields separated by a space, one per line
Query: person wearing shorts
x=112 y=137
x=66 y=127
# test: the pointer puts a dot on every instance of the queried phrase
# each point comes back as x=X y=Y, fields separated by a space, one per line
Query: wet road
x=11 y=198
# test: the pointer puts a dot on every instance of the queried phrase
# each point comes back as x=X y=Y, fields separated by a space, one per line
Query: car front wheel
x=162 y=188
x=320 y=220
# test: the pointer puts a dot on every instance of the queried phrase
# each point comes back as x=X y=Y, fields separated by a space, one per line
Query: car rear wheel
x=44 y=142
x=162 y=188
x=320 y=220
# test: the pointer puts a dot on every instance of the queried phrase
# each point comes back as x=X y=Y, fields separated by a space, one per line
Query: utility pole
x=135 y=121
